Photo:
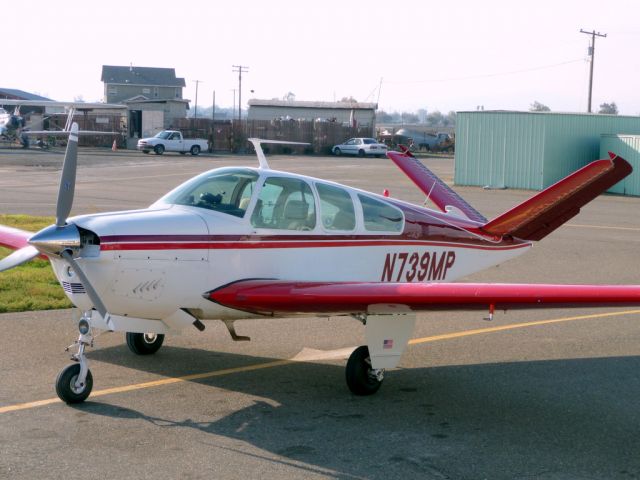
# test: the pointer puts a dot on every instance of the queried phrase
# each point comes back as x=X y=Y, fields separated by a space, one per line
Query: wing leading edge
x=282 y=297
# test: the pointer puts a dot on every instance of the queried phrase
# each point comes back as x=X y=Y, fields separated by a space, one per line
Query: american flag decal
x=388 y=343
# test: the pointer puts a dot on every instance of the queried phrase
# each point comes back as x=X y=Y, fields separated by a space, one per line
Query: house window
x=113 y=90
x=178 y=92
x=155 y=92
x=146 y=91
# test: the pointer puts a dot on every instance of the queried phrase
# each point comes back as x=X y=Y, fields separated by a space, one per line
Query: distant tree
x=609 y=108
x=78 y=98
x=349 y=99
x=384 y=117
x=538 y=107
x=450 y=119
x=289 y=97
x=408 y=117
x=435 y=118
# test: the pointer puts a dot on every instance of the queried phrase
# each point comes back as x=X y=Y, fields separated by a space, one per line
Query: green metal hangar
x=532 y=150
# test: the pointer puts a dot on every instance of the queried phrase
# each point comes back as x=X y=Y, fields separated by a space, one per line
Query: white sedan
x=360 y=147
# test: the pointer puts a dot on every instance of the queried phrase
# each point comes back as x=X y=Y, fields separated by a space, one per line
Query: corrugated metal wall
x=529 y=150
x=628 y=147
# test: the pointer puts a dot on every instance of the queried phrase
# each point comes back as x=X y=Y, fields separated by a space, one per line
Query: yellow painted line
x=603 y=227
x=502 y=328
x=152 y=384
x=279 y=363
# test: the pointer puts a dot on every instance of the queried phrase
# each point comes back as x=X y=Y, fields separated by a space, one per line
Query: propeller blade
x=18 y=258
x=93 y=295
x=68 y=178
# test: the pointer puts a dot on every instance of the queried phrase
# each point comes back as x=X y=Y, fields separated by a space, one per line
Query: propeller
x=62 y=238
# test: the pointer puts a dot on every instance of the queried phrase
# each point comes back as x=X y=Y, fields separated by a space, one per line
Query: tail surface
x=540 y=215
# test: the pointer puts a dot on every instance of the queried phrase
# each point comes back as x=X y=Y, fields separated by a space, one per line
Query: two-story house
x=152 y=95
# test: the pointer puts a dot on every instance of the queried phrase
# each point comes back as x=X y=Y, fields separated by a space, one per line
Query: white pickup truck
x=171 y=141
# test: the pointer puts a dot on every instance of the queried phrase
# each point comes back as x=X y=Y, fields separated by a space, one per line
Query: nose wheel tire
x=66 y=385
x=361 y=378
x=144 y=343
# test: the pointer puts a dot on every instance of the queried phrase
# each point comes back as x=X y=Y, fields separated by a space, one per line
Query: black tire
x=361 y=153
x=195 y=150
x=158 y=149
x=65 y=384
x=359 y=380
x=144 y=343
x=337 y=152
x=145 y=151
x=183 y=153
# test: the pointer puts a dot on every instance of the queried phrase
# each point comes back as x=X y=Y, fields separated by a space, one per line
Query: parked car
x=171 y=141
x=360 y=147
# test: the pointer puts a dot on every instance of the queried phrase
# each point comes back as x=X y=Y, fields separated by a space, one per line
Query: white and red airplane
x=238 y=243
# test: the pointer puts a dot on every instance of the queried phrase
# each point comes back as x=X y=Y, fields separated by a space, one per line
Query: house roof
x=254 y=102
x=162 y=77
x=15 y=94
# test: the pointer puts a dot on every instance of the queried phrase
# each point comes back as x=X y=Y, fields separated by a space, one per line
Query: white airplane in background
x=240 y=243
x=13 y=126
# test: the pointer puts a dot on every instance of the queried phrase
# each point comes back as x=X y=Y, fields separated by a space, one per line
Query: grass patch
x=32 y=285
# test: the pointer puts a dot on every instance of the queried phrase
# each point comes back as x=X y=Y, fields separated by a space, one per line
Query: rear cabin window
x=285 y=204
x=336 y=208
x=223 y=191
x=379 y=216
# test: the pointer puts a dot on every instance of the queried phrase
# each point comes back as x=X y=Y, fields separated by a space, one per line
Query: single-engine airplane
x=241 y=243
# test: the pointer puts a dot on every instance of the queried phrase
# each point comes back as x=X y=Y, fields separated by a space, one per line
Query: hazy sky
x=444 y=55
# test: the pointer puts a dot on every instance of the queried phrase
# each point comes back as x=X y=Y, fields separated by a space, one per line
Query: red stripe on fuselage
x=163 y=243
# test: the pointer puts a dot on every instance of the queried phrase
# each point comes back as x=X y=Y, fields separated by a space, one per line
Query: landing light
x=83 y=326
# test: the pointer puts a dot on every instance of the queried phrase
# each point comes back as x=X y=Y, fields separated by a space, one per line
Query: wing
x=285 y=297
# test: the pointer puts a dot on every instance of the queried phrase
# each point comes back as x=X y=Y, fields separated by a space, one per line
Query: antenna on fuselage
x=262 y=159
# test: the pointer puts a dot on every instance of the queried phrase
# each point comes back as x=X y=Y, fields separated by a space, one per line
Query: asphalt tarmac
x=541 y=394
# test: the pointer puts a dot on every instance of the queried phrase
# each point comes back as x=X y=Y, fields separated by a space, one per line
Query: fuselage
x=233 y=224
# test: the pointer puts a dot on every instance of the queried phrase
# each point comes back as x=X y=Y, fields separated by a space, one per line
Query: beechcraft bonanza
x=236 y=243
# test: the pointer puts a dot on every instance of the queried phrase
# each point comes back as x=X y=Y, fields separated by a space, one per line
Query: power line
x=592 y=49
x=488 y=75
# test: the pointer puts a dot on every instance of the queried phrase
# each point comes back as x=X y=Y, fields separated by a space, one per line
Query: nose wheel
x=69 y=388
x=74 y=382
x=361 y=378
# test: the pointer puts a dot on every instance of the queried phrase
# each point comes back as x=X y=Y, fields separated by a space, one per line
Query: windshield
x=164 y=134
x=224 y=190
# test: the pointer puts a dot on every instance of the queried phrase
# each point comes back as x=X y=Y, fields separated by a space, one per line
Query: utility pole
x=213 y=109
x=592 y=50
x=240 y=69
x=195 y=112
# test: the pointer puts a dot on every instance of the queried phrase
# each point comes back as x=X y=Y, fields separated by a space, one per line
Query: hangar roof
x=254 y=102
x=15 y=94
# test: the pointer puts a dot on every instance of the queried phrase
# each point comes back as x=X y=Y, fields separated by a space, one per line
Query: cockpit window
x=226 y=191
x=380 y=216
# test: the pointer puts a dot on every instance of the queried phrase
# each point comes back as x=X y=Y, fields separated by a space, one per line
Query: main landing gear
x=74 y=382
x=144 y=343
x=362 y=378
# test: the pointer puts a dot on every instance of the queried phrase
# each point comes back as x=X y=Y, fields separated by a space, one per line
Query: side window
x=336 y=208
x=380 y=216
x=285 y=204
